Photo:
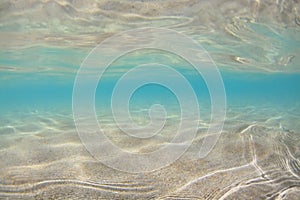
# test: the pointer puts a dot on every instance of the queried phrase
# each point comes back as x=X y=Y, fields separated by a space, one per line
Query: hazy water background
x=254 y=43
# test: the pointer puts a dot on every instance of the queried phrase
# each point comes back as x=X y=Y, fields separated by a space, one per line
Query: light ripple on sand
x=252 y=157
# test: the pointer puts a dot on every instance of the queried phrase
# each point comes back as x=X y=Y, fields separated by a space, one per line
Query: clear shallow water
x=255 y=44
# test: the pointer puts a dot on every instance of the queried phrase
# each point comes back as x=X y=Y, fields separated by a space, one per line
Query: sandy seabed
x=42 y=157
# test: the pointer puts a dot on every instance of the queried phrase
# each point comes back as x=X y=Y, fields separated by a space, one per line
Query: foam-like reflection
x=239 y=35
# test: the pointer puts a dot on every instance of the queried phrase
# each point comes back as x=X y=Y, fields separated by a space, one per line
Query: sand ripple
x=253 y=158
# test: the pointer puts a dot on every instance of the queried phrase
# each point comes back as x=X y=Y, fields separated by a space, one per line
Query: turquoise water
x=255 y=47
x=33 y=91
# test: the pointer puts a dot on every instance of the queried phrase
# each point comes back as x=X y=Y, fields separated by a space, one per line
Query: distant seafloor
x=255 y=45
